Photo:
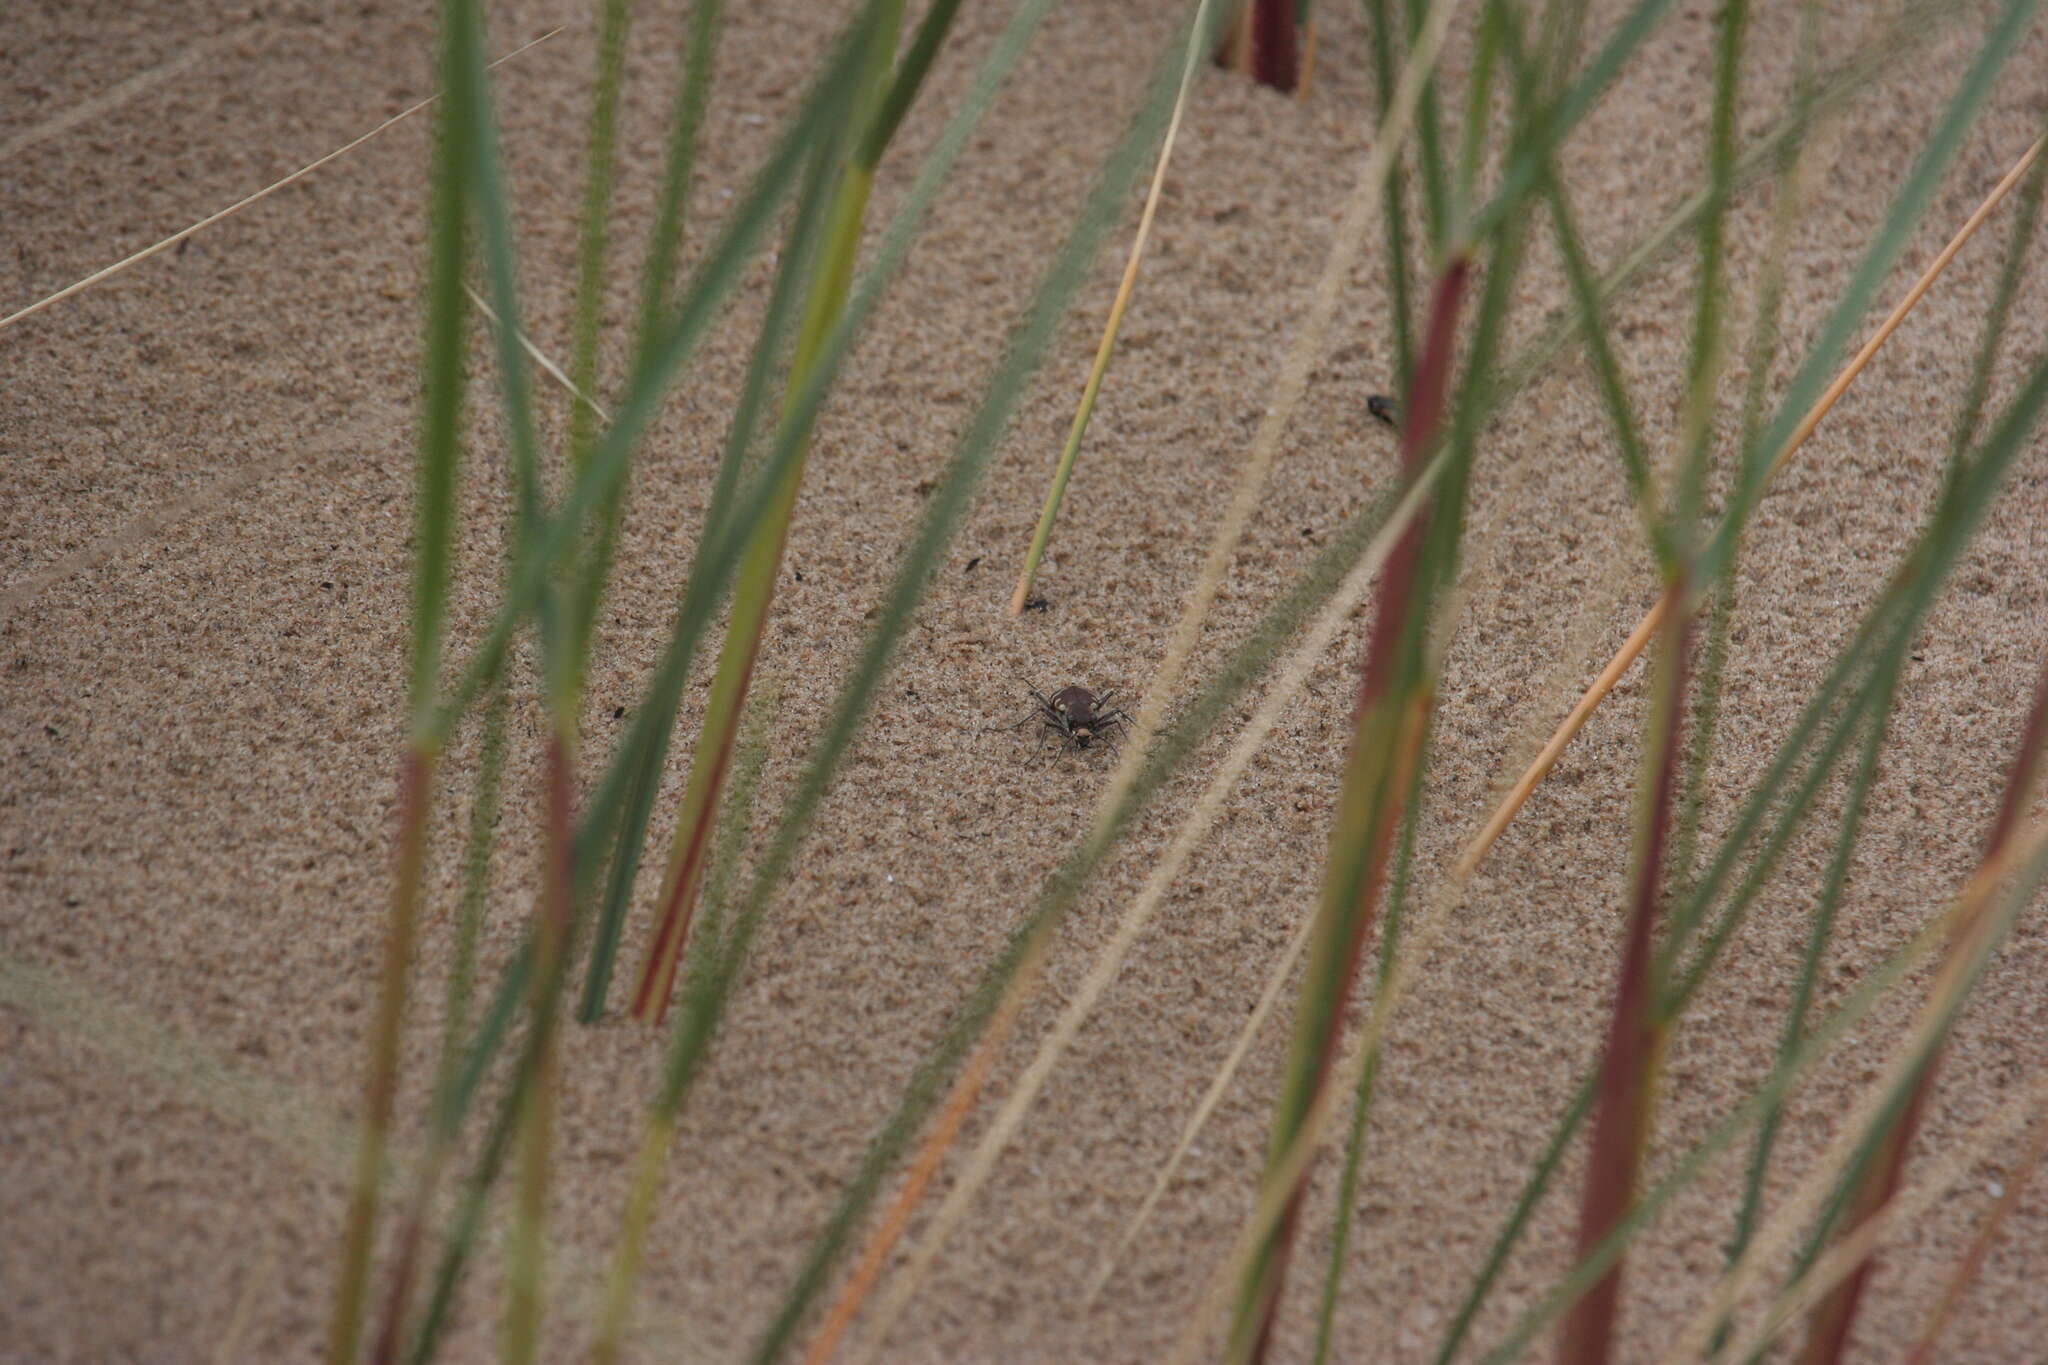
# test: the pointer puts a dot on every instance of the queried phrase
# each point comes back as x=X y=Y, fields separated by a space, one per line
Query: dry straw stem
x=539 y=357
x=1290 y=681
x=1653 y=620
x=1980 y=1248
x=101 y=276
x=1103 y=350
x=255 y=1284
x=1971 y=922
x=1853 y=1252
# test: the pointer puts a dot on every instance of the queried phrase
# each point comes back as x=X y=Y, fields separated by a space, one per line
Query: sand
x=204 y=513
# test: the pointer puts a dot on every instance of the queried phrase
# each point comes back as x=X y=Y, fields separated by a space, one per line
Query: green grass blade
x=640 y=756
x=1870 y=992
x=656 y=368
x=1904 y=216
x=1429 y=147
x=761 y=564
x=693 y=95
x=1836 y=879
x=1586 y=297
x=1833 y=884
x=1509 y=197
x=1361 y=1104
x=1888 y=628
x=435 y=533
x=593 y=245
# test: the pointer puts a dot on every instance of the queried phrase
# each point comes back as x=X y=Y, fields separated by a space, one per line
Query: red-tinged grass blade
x=440 y=460
x=1626 y=1092
x=1266 y=43
x=879 y=110
x=415 y=796
x=1393 y=709
x=752 y=598
x=1834 y=1319
x=461 y=982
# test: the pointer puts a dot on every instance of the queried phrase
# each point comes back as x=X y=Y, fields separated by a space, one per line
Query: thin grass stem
x=1065 y=468
x=156 y=248
x=754 y=588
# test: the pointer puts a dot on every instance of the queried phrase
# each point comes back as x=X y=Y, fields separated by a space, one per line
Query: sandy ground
x=204 y=511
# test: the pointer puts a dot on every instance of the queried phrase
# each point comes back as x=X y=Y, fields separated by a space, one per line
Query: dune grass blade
x=593 y=244
x=1065 y=468
x=754 y=586
x=628 y=781
x=734 y=828
x=1833 y=884
x=879 y=111
x=561 y=667
x=1624 y=1118
x=1361 y=1102
x=1395 y=699
x=1887 y=629
x=1968 y=415
x=694 y=1027
x=1624 y=1113
x=1509 y=195
x=435 y=532
x=1628 y=441
x=983 y=1156
x=1761 y=353
x=693 y=94
x=446 y=1116
x=657 y=366
x=1951 y=1170
x=1867 y=995
x=1975 y=925
x=2016 y=1181
x=1429 y=143
x=525 y=1271
x=1730 y=533
x=2031 y=864
x=1834 y=1319
x=1900 y=42
x=1904 y=215
x=640 y=757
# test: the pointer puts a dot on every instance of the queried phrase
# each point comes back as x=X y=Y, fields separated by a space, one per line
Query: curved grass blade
x=654 y=719
x=1834 y=1318
x=1867 y=995
x=1965 y=428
